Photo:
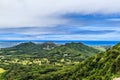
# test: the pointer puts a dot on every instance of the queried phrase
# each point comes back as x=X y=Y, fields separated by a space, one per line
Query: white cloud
x=18 y=13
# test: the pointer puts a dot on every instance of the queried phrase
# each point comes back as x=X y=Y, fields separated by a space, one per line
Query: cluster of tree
x=36 y=72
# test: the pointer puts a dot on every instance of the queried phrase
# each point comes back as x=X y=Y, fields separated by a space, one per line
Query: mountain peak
x=49 y=43
x=26 y=44
x=74 y=43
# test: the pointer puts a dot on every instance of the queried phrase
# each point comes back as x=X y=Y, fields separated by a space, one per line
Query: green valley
x=71 y=61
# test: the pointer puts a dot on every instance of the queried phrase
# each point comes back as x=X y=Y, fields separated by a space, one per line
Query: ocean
x=10 y=43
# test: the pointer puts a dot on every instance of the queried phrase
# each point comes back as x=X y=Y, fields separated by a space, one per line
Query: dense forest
x=51 y=51
x=48 y=61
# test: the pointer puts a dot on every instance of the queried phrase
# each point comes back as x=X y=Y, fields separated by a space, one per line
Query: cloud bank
x=18 y=13
x=59 y=19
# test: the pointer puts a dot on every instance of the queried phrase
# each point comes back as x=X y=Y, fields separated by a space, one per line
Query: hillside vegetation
x=54 y=53
x=101 y=66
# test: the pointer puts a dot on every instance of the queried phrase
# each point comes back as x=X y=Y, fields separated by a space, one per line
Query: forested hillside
x=51 y=51
x=72 y=51
x=101 y=66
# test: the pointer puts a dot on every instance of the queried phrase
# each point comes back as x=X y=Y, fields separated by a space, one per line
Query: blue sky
x=59 y=20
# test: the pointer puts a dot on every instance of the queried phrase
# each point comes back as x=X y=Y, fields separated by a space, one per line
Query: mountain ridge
x=101 y=66
x=75 y=51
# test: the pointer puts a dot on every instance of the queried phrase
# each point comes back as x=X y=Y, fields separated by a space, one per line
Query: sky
x=60 y=20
